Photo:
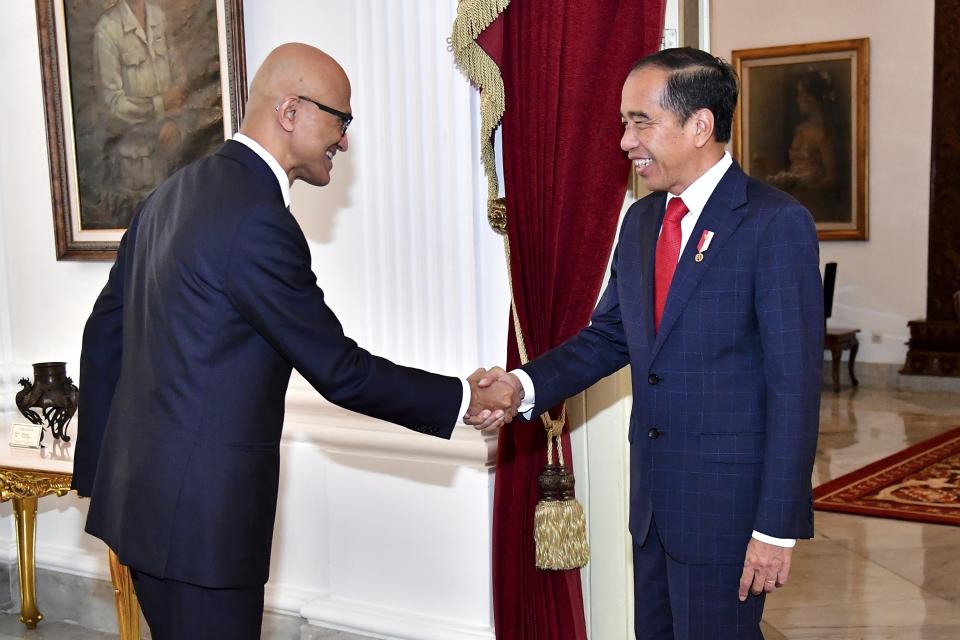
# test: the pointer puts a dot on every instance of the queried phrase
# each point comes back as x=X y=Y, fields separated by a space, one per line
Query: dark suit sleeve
x=100 y=358
x=595 y=352
x=270 y=282
x=789 y=304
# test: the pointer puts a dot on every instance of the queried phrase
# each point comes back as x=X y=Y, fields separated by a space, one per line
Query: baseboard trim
x=393 y=624
x=886 y=376
x=287 y=599
x=70 y=560
x=314 y=606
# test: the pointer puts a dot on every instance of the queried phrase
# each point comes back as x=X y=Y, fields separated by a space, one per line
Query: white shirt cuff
x=529 y=401
x=780 y=542
x=464 y=403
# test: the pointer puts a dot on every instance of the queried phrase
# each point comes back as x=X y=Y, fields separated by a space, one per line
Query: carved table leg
x=853 y=358
x=836 y=352
x=25 y=512
x=128 y=608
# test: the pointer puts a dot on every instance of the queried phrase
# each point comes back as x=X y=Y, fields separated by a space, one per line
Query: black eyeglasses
x=345 y=118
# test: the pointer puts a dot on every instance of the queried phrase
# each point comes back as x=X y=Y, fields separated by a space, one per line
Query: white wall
x=379 y=529
x=881 y=283
x=7 y=389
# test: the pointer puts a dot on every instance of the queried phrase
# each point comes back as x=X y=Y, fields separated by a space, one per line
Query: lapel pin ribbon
x=704 y=244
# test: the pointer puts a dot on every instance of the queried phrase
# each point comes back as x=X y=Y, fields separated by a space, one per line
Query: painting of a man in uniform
x=146 y=98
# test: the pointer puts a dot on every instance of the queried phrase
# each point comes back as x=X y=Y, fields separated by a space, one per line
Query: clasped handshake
x=495 y=397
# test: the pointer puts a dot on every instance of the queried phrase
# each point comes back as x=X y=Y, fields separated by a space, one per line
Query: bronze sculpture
x=54 y=393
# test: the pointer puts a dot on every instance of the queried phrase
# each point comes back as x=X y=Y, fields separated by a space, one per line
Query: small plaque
x=25 y=435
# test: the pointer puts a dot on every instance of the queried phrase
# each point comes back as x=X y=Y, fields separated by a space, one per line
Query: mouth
x=330 y=153
x=639 y=164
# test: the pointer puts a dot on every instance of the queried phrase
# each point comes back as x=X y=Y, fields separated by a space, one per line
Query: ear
x=286 y=112
x=702 y=122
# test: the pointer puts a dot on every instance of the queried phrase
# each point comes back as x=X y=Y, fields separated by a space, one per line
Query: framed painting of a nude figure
x=133 y=90
x=801 y=126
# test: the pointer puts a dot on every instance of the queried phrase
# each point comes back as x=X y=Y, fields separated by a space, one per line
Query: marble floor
x=859 y=579
x=274 y=628
x=870 y=578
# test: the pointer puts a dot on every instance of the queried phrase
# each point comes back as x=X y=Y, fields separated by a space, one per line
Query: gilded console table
x=26 y=475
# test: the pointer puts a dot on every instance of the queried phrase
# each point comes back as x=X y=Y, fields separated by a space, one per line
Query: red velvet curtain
x=563 y=63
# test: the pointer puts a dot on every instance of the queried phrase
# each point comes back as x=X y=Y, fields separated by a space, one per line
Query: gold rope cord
x=553 y=427
x=473 y=16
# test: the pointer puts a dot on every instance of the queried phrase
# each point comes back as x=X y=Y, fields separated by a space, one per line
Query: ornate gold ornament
x=36 y=484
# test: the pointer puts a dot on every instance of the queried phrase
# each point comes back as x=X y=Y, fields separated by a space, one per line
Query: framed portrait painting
x=133 y=90
x=801 y=126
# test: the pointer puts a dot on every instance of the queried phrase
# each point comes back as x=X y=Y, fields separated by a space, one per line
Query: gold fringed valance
x=473 y=16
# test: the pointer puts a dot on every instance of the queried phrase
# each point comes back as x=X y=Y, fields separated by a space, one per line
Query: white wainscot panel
x=381 y=530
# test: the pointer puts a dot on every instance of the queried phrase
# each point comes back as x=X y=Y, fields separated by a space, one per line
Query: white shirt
x=695 y=197
x=284 y=182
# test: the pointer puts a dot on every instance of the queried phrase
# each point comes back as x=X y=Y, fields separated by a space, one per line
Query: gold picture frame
x=132 y=91
x=801 y=125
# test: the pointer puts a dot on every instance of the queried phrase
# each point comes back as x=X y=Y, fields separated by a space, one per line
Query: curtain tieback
x=559 y=524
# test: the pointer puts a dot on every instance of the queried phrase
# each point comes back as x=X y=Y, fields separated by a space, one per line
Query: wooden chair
x=837 y=339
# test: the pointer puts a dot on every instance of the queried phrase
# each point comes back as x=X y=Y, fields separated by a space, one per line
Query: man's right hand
x=497 y=374
x=493 y=401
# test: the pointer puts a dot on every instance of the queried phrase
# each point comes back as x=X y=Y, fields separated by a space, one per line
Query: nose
x=343 y=143
x=629 y=140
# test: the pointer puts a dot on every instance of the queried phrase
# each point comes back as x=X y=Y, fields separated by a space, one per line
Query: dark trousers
x=676 y=601
x=182 y=611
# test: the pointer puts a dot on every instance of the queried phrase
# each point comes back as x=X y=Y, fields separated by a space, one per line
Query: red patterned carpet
x=920 y=483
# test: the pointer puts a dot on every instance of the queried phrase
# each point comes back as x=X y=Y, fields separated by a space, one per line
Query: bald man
x=189 y=349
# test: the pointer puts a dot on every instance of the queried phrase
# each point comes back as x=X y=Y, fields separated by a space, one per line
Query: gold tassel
x=559 y=526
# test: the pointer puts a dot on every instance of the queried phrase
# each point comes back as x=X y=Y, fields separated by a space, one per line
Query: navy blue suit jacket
x=729 y=388
x=185 y=364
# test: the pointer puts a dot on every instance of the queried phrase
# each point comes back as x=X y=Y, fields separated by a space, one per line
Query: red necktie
x=668 y=252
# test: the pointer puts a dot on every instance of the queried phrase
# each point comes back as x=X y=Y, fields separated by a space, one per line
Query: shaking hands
x=495 y=397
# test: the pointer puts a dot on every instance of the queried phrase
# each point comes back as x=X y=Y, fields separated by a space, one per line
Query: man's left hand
x=765 y=568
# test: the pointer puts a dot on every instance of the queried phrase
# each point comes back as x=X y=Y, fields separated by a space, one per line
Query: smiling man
x=189 y=349
x=715 y=301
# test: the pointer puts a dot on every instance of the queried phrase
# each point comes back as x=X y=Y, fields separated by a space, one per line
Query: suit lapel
x=722 y=215
x=649 y=226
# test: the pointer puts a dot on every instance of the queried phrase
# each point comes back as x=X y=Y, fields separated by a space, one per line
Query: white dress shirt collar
x=271 y=162
x=696 y=195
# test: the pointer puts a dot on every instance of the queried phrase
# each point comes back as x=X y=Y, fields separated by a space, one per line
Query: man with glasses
x=345 y=118
x=189 y=349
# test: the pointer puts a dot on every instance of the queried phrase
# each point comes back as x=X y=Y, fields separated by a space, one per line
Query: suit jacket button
x=653 y=378
x=654 y=433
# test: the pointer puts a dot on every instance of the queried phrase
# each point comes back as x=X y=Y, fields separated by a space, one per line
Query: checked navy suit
x=725 y=395
x=185 y=364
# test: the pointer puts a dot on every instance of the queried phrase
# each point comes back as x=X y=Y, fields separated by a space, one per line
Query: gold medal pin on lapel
x=703 y=245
